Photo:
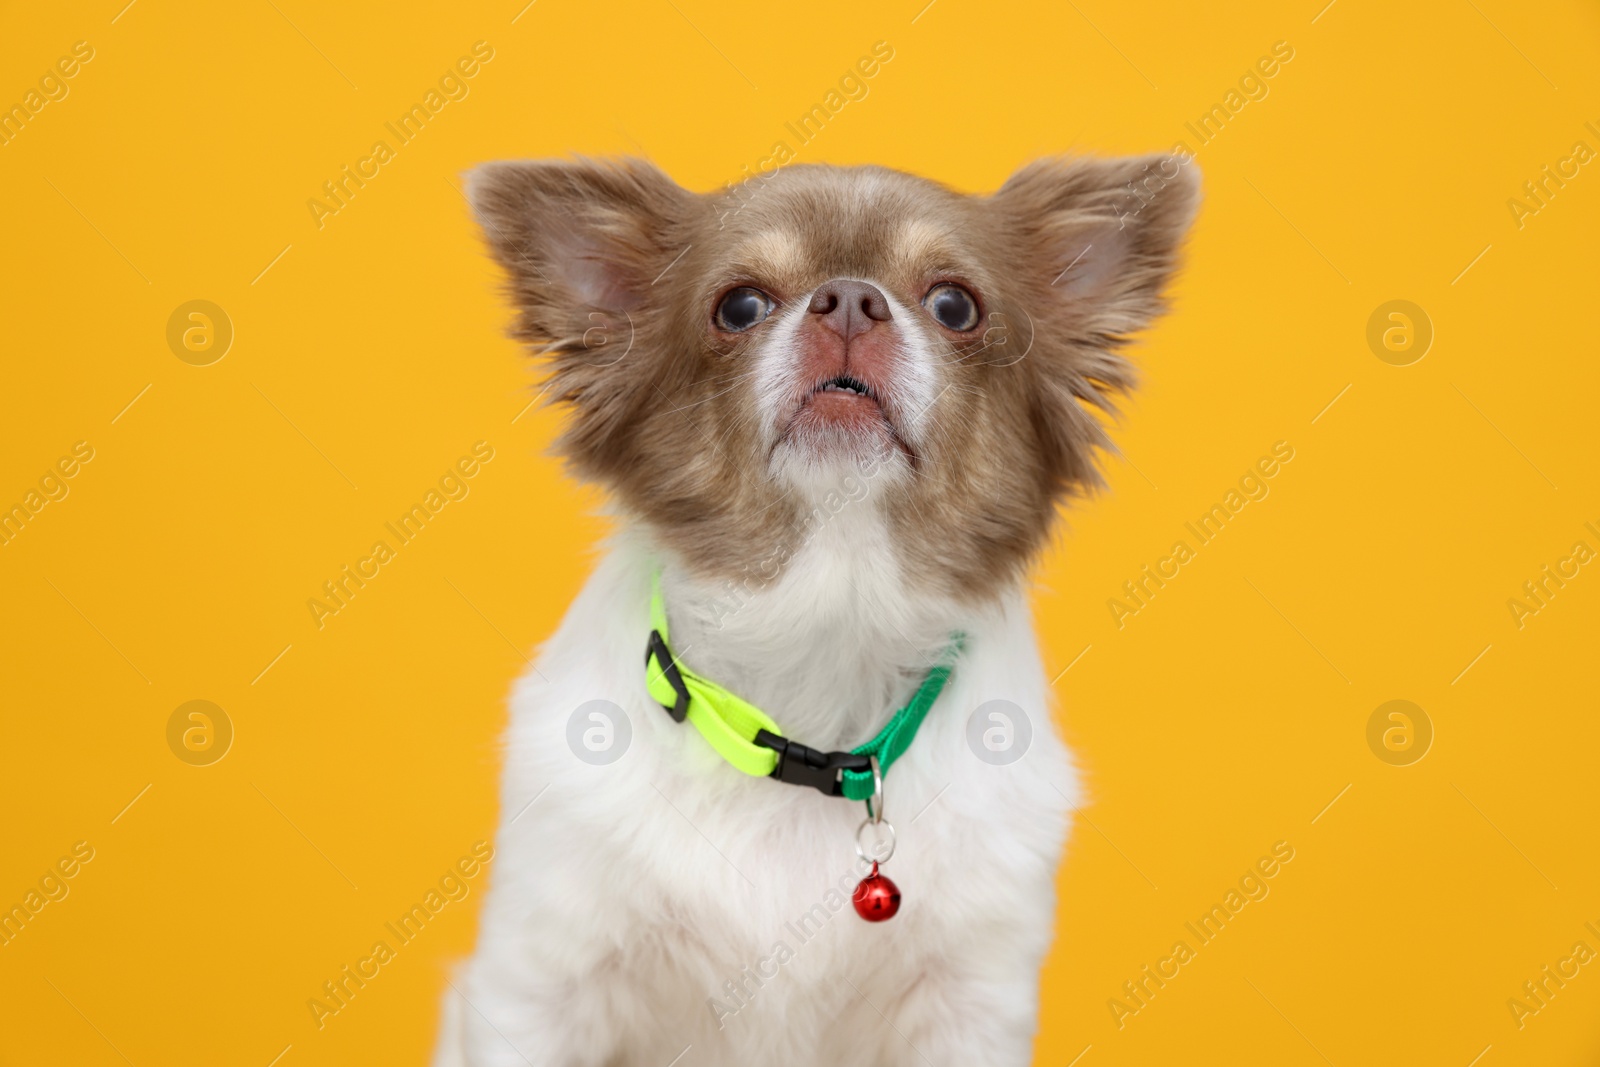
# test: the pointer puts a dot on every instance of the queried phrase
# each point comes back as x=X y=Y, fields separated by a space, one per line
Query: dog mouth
x=846 y=402
x=846 y=384
x=846 y=411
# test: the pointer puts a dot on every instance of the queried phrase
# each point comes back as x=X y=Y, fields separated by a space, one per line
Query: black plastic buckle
x=657 y=649
x=802 y=765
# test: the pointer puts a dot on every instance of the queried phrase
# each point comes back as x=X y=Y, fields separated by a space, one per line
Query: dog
x=835 y=411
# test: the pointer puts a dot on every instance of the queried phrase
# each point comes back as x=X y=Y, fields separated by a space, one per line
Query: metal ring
x=877 y=791
x=863 y=853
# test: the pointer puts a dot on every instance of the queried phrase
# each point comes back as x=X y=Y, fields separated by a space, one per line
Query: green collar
x=747 y=738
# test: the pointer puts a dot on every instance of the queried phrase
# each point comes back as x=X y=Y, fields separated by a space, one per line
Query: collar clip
x=802 y=765
x=657 y=650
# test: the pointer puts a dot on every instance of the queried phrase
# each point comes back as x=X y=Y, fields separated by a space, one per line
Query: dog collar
x=746 y=736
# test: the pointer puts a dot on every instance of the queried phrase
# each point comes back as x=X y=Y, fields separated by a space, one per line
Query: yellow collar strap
x=747 y=737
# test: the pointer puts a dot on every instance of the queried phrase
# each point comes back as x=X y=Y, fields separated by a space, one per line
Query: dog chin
x=813 y=454
x=840 y=429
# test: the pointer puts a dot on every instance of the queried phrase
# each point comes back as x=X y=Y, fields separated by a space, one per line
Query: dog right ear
x=581 y=242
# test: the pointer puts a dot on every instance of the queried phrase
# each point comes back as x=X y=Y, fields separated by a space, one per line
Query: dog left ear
x=1100 y=238
x=582 y=243
x=578 y=238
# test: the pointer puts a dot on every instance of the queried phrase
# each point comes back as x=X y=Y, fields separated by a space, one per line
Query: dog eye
x=742 y=308
x=952 y=306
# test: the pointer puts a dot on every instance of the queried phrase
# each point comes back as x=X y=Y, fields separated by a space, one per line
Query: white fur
x=777 y=373
x=628 y=896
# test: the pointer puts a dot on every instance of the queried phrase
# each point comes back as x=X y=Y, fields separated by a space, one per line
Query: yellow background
x=1225 y=716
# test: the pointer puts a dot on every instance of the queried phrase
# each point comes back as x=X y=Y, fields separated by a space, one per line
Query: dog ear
x=1100 y=238
x=1094 y=243
x=581 y=241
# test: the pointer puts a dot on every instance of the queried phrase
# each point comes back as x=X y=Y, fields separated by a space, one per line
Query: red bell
x=876 y=898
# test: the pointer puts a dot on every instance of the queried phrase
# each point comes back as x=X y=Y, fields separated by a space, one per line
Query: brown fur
x=604 y=258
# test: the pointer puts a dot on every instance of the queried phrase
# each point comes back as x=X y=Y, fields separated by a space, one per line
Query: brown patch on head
x=617 y=273
x=772 y=252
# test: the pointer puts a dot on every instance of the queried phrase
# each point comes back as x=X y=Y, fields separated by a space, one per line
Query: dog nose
x=849 y=308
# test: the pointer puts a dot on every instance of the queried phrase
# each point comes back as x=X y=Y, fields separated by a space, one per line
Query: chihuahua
x=835 y=410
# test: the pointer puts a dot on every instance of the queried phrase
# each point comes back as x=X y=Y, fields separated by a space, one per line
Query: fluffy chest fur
x=666 y=903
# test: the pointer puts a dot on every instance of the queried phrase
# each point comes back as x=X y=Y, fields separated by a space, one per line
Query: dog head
x=737 y=361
